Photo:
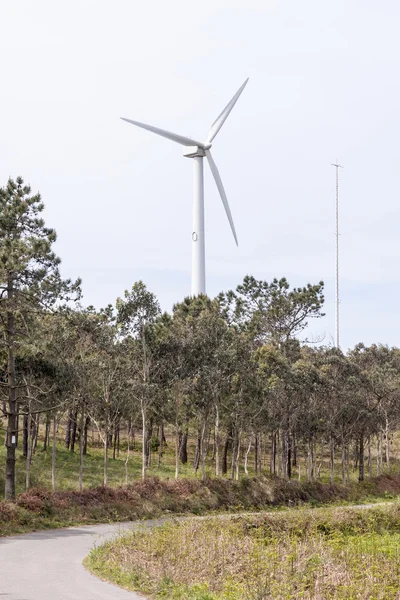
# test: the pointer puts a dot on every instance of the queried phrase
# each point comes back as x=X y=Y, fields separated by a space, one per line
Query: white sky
x=324 y=83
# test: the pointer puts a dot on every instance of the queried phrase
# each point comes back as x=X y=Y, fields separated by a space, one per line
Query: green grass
x=310 y=554
x=67 y=467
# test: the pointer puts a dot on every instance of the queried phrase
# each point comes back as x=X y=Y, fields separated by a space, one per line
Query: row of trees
x=229 y=371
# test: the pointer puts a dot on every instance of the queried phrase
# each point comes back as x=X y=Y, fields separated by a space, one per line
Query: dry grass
x=311 y=554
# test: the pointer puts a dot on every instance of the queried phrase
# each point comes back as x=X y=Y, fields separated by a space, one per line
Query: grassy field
x=318 y=554
x=67 y=467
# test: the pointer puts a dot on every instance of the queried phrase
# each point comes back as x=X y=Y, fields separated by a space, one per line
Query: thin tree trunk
x=369 y=458
x=183 y=455
x=216 y=444
x=106 y=440
x=128 y=454
x=68 y=430
x=227 y=444
x=74 y=428
x=116 y=428
x=387 y=445
x=35 y=433
x=361 y=458
x=309 y=460
x=81 y=447
x=272 y=462
x=53 y=454
x=256 y=450
x=246 y=457
x=29 y=453
x=234 y=453
x=144 y=438
x=332 y=458
x=161 y=443
x=294 y=448
x=85 y=435
x=46 y=433
x=198 y=453
x=177 y=443
x=238 y=458
x=25 y=437
x=379 y=460
x=343 y=461
x=203 y=450
x=11 y=437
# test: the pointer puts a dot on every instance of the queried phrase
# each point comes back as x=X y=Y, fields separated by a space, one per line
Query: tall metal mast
x=337 y=301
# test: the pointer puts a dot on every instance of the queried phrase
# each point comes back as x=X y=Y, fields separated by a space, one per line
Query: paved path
x=47 y=565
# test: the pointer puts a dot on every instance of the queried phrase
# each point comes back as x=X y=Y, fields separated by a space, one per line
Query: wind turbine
x=197 y=151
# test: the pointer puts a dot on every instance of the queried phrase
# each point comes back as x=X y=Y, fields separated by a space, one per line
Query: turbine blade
x=218 y=181
x=216 y=126
x=175 y=137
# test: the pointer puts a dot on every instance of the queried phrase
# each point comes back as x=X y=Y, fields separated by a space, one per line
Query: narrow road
x=47 y=565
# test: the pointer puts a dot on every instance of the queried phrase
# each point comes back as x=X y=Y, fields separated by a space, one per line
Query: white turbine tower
x=197 y=151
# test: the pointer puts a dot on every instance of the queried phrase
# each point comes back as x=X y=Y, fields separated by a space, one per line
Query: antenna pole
x=337 y=301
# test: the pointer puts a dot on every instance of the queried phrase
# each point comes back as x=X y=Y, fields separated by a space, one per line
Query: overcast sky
x=324 y=84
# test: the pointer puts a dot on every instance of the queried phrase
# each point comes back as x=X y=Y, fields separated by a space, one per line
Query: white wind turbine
x=197 y=151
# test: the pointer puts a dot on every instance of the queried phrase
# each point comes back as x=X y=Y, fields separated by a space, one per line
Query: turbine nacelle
x=194 y=151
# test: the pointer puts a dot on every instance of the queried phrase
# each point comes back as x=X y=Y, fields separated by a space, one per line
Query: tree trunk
x=149 y=435
x=256 y=450
x=116 y=429
x=128 y=454
x=46 y=433
x=227 y=445
x=379 y=460
x=369 y=458
x=361 y=458
x=35 y=432
x=53 y=454
x=238 y=458
x=216 y=443
x=144 y=440
x=197 y=456
x=203 y=450
x=11 y=439
x=310 y=469
x=161 y=443
x=81 y=448
x=25 y=437
x=343 y=461
x=74 y=428
x=332 y=458
x=272 y=462
x=387 y=445
x=29 y=453
x=105 y=477
x=294 y=449
x=246 y=457
x=85 y=435
x=178 y=445
x=183 y=455
x=68 y=430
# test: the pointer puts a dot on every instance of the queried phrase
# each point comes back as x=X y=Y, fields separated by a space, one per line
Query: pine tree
x=30 y=281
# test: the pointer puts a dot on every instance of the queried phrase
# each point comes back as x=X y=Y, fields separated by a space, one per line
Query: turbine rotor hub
x=193 y=151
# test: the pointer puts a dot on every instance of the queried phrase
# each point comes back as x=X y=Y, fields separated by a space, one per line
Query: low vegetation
x=319 y=554
x=42 y=509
